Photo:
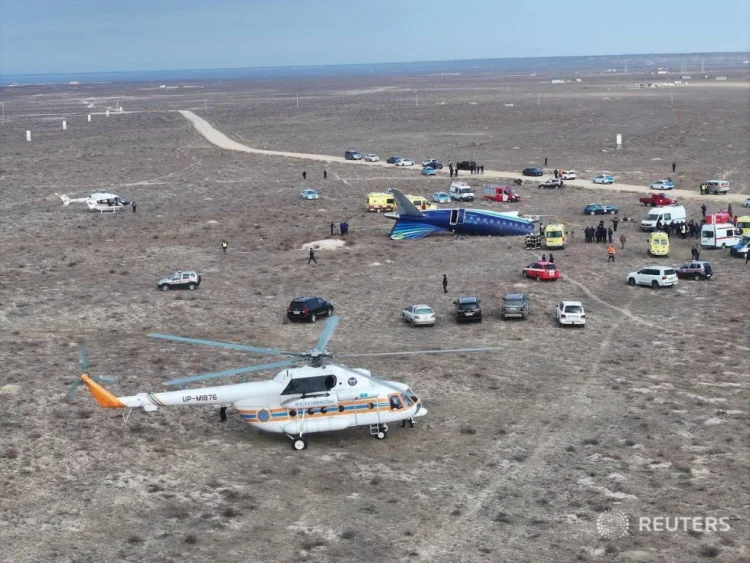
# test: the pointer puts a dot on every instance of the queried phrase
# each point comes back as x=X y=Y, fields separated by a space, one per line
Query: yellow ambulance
x=658 y=244
x=380 y=201
x=420 y=202
x=743 y=224
x=554 y=236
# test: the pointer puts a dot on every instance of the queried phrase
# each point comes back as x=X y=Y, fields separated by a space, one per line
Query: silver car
x=187 y=279
x=419 y=315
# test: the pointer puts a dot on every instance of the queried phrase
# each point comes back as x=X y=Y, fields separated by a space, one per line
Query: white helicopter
x=101 y=202
x=320 y=397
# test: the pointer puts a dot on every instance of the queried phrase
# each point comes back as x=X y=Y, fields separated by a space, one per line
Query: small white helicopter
x=101 y=202
x=320 y=397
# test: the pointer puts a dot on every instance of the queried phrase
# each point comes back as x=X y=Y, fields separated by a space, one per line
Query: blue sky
x=99 y=35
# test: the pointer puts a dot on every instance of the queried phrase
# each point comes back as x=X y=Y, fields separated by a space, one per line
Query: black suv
x=466 y=165
x=308 y=309
x=468 y=309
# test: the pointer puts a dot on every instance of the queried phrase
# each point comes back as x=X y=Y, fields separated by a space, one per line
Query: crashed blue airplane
x=412 y=223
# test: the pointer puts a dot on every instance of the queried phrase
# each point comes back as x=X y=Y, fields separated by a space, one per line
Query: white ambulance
x=721 y=235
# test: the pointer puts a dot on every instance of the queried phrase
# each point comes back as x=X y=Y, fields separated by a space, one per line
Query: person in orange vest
x=611 y=253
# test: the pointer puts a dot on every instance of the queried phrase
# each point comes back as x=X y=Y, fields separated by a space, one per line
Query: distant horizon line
x=354 y=65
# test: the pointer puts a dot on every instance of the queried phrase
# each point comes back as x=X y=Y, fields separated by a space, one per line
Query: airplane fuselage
x=479 y=222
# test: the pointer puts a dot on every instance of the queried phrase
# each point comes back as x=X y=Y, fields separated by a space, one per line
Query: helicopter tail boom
x=102 y=396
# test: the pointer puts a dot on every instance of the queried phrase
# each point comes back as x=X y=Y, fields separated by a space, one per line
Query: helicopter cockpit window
x=307 y=385
x=395 y=402
x=407 y=400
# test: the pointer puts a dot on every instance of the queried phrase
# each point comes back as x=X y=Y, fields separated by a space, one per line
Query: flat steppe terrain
x=645 y=410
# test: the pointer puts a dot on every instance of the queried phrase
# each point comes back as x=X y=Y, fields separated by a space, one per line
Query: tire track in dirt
x=452 y=531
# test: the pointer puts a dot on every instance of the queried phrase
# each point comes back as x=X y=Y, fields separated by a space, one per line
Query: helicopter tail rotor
x=83 y=362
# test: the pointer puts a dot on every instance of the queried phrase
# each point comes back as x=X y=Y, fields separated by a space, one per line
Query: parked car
x=461 y=191
x=429 y=171
x=393 y=159
x=181 y=279
x=604 y=179
x=568 y=175
x=404 y=162
x=600 y=209
x=740 y=249
x=309 y=194
x=468 y=309
x=533 y=171
x=352 y=155
x=432 y=163
x=441 y=197
x=570 y=313
x=554 y=183
x=515 y=305
x=653 y=276
x=657 y=200
x=466 y=165
x=541 y=270
x=695 y=270
x=372 y=158
x=746 y=203
x=419 y=315
x=308 y=309
x=662 y=185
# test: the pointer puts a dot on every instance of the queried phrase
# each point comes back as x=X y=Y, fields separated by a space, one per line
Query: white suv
x=570 y=313
x=187 y=279
x=654 y=276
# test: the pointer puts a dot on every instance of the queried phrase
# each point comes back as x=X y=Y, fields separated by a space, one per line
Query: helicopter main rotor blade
x=231 y=372
x=331 y=325
x=230 y=345
x=418 y=352
x=83 y=358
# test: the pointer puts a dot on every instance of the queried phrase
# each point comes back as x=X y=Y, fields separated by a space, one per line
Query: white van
x=667 y=214
x=717 y=187
x=461 y=191
x=720 y=235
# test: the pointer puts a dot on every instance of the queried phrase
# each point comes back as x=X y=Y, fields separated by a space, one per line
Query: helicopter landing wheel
x=382 y=432
x=299 y=444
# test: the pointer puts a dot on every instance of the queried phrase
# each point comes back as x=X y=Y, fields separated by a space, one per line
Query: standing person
x=482 y=168
x=223 y=414
x=623 y=240
x=556 y=174
x=611 y=253
x=697 y=251
x=674 y=167
x=450 y=169
x=445 y=283
x=729 y=209
x=312 y=256
x=304 y=174
x=544 y=257
x=325 y=174
x=133 y=206
x=545 y=161
x=609 y=235
x=410 y=420
x=224 y=245
x=551 y=258
x=703 y=209
x=693 y=252
x=615 y=221
x=541 y=228
x=333 y=227
x=342 y=229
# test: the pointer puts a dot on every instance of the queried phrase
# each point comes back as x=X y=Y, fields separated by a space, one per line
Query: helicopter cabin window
x=395 y=402
x=307 y=385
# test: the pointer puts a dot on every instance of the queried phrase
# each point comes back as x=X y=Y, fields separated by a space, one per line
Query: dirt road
x=219 y=139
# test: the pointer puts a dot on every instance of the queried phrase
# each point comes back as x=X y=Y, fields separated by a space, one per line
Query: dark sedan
x=533 y=171
x=393 y=159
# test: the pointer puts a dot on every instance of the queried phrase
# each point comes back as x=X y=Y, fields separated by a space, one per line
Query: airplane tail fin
x=65 y=199
x=405 y=207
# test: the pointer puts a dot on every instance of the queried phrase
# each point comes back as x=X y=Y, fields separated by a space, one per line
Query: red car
x=541 y=270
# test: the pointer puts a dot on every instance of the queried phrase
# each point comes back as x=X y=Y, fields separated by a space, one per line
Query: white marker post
x=619 y=141
x=65 y=125
x=89 y=118
x=28 y=136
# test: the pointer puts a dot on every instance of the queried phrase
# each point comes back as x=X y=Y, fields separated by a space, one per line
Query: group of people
x=682 y=229
x=598 y=234
x=474 y=169
x=343 y=228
